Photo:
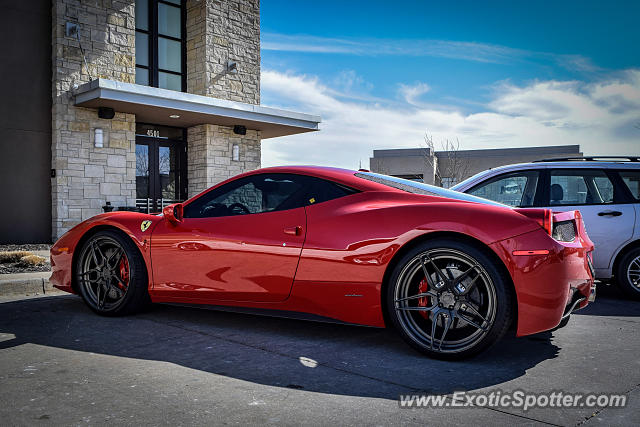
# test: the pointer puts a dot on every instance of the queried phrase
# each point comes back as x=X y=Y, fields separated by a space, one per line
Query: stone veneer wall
x=219 y=31
x=209 y=155
x=86 y=176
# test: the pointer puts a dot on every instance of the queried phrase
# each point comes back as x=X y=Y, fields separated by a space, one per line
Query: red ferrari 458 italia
x=451 y=272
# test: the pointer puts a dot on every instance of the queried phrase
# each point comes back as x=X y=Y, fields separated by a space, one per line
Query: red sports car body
x=335 y=256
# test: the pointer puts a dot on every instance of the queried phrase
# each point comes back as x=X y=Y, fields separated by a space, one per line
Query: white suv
x=605 y=190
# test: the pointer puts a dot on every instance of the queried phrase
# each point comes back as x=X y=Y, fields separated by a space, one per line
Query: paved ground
x=61 y=364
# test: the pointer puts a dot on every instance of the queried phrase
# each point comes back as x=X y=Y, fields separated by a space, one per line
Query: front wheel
x=628 y=273
x=449 y=300
x=111 y=274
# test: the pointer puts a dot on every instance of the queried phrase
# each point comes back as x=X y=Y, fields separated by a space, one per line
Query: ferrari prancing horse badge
x=145 y=224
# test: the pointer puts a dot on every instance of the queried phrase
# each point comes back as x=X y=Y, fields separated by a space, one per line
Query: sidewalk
x=34 y=283
x=26 y=284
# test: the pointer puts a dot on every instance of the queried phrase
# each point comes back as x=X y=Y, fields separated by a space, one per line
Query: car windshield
x=462 y=184
x=421 y=188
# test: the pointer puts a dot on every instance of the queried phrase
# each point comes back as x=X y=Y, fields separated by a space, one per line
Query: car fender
x=137 y=226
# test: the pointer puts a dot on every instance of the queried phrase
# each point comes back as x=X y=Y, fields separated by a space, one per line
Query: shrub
x=13 y=256
x=32 y=260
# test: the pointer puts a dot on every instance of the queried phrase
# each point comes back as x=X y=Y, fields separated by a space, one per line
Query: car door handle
x=609 y=213
x=294 y=231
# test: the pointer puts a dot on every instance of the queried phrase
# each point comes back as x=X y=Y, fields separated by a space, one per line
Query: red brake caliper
x=124 y=273
x=424 y=301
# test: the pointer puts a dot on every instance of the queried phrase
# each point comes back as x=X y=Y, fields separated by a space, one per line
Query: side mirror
x=173 y=213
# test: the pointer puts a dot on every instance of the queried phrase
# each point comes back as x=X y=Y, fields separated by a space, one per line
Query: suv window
x=264 y=193
x=513 y=189
x=632 y=181
x=580 y=187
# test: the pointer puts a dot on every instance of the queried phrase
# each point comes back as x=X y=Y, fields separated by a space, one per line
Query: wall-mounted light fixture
x=98 y=140
x=71 y=29
x=232 y=66
x=106 y=113
x=235 y=152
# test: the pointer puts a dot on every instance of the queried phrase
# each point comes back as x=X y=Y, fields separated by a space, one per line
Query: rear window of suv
x=632 y=181
x=580 y=187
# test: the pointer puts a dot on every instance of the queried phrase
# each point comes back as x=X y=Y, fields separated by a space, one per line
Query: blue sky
x=488 y=74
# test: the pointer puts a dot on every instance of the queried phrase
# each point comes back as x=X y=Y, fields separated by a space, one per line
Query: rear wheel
x=111 y=274
x=449 y=300
x=628 y=273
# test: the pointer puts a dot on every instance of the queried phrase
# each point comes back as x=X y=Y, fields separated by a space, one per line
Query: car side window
x=264 y=193
x=580 y=187
x=513 y=189
x=250 y=195
x=320 y=190
x=632 y=180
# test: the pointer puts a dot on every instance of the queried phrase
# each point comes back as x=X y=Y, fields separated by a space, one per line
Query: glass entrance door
x=160 y=171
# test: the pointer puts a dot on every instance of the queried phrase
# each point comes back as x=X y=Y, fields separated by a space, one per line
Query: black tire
x=108 y=261
x=485 y=289
x=628 y=273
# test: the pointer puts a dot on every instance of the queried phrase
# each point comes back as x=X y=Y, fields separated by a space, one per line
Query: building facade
x=447 y=168
x=132 y=104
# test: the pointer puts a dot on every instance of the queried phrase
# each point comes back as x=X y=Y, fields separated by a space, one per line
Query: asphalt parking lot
x=61 y=364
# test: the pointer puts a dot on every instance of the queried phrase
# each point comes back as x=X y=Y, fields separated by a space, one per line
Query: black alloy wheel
x=449 y=300
x=111 y=274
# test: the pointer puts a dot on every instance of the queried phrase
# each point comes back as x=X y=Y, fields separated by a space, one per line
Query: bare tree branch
x=449 y=166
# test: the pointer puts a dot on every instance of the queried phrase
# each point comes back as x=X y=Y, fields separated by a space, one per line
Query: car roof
x=345 y=176
x=563 y=164
x=355 y=180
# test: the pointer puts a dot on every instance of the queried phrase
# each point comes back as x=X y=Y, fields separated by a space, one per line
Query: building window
x=160 y=44
x=448 y=182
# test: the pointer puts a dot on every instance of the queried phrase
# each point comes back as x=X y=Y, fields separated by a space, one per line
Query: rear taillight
x=544 y=217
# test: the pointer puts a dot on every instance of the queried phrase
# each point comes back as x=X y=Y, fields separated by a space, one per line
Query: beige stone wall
x=86 y=176
x=219 y=31
x=209 y=156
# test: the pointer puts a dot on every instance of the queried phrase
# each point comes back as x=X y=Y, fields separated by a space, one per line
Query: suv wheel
x=628 y=273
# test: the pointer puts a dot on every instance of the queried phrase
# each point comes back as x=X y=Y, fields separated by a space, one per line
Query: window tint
x=264 y=193
x=632 y=181
x=580 y=187
x=513 y=189
x=319 y=191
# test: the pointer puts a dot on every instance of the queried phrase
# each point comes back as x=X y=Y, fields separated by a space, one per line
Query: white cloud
x=411 y=93
x=461 y=50
x=600 y=116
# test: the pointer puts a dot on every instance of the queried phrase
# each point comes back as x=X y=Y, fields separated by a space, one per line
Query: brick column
x=209 y=157
x=219 y=31
x=86 y=176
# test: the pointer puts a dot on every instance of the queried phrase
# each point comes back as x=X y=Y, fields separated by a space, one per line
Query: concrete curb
x=26 y=284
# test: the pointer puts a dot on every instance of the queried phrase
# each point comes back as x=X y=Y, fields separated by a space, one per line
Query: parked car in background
x=606 y=190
